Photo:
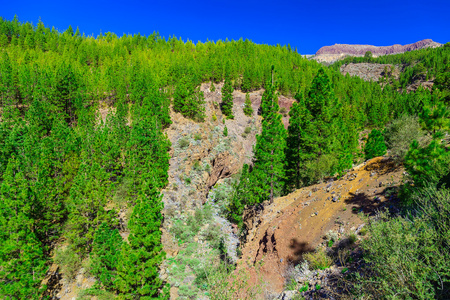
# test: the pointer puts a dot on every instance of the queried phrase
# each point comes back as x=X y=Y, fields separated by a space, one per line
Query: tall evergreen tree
x=268 y=172
x=227 y=97
x=21 y=255
x=138 y=267
x=296 y=147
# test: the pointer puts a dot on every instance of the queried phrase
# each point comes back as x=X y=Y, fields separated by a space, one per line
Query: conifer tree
x=105 y=254
x=227 y=97
x=268 y=172
x=434 y=119
x=296 y=150
x=375 y=145
x=138 y=266
x=21 y=255
x=248 y=110
x=427 y=165
x=240 y=197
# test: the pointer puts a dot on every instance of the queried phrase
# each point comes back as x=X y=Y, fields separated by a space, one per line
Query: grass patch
x=318 y=259
x=183 y=143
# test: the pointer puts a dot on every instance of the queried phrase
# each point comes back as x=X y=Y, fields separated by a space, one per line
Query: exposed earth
x=297 y=223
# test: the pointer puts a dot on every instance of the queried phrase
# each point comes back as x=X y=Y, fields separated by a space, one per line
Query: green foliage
x=227 y=98
x=69 y=262
x=375 y=145
x=139 y=260
x=318 y=259
x=239 y=198
x=197 y=137
x=400 y=134
x=304 y=288
x=435 y=119
x=22 y=261
x=268 y=172
x=248 y=110
x=183 y=143
x=63 y=159
x=225 y=131
x=368 y=54
x=105 y=254
x=427 y=164
x=189 y=100
x=423 y=241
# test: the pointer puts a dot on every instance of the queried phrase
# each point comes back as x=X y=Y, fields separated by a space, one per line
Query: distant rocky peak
x=339 y=51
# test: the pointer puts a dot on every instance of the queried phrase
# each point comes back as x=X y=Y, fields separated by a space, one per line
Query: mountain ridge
x=339 y=51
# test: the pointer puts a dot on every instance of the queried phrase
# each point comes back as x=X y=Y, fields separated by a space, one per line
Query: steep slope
x=282 y=232
x=201 y=157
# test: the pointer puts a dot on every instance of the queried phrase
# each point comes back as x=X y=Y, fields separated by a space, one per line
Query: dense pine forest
x=67 y=168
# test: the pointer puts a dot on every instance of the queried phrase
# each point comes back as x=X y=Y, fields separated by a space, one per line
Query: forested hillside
x=82 y=141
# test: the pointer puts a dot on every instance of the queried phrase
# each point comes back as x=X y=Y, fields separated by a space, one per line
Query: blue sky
x=307 y=25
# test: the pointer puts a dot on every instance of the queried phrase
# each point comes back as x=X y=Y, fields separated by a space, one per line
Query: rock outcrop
x=339 y=51
x=369 y=72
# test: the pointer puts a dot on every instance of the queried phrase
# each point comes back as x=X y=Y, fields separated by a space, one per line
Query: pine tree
x=434 y=119
x=296 y=150
x=240 y=197
x=268 y=173
x=375 y=145
x=248 y=110
x=105 y=254
x=22 y=262
x=427 y=165
x=227 y=98
x=138 y=266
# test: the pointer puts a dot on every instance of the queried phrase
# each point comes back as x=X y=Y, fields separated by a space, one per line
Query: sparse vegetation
x=318 y=259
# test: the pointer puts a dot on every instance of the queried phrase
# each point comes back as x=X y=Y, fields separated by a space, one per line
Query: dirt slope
x=295 y=224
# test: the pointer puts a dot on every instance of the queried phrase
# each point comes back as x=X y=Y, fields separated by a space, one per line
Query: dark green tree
x=227 y=98
x=427 y=165
x=105 y=254
x=138 y=266
x=240 y=197
x=375 y=145
x=22 y=260
x=268 y=172
x=296 y=145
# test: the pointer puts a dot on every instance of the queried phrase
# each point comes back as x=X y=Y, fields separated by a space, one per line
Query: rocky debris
x=369 y=72
x=70 y=290
x=53 y=282
x=339 y=51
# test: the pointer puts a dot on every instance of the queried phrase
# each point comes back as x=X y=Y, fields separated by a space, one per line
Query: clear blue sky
x=307 y=25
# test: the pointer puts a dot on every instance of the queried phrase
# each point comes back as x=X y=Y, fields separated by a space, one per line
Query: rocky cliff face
x=339 y=51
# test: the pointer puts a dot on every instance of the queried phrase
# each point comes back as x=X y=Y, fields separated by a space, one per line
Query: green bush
x=197 y=136
x=183 y=143
x=400 y=134
x=375 y=145
x=247 y=130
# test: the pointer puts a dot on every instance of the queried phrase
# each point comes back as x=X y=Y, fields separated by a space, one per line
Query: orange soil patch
x=296 y=224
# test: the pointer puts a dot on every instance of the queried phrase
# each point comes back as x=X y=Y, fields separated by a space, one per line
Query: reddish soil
x=295 y=224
